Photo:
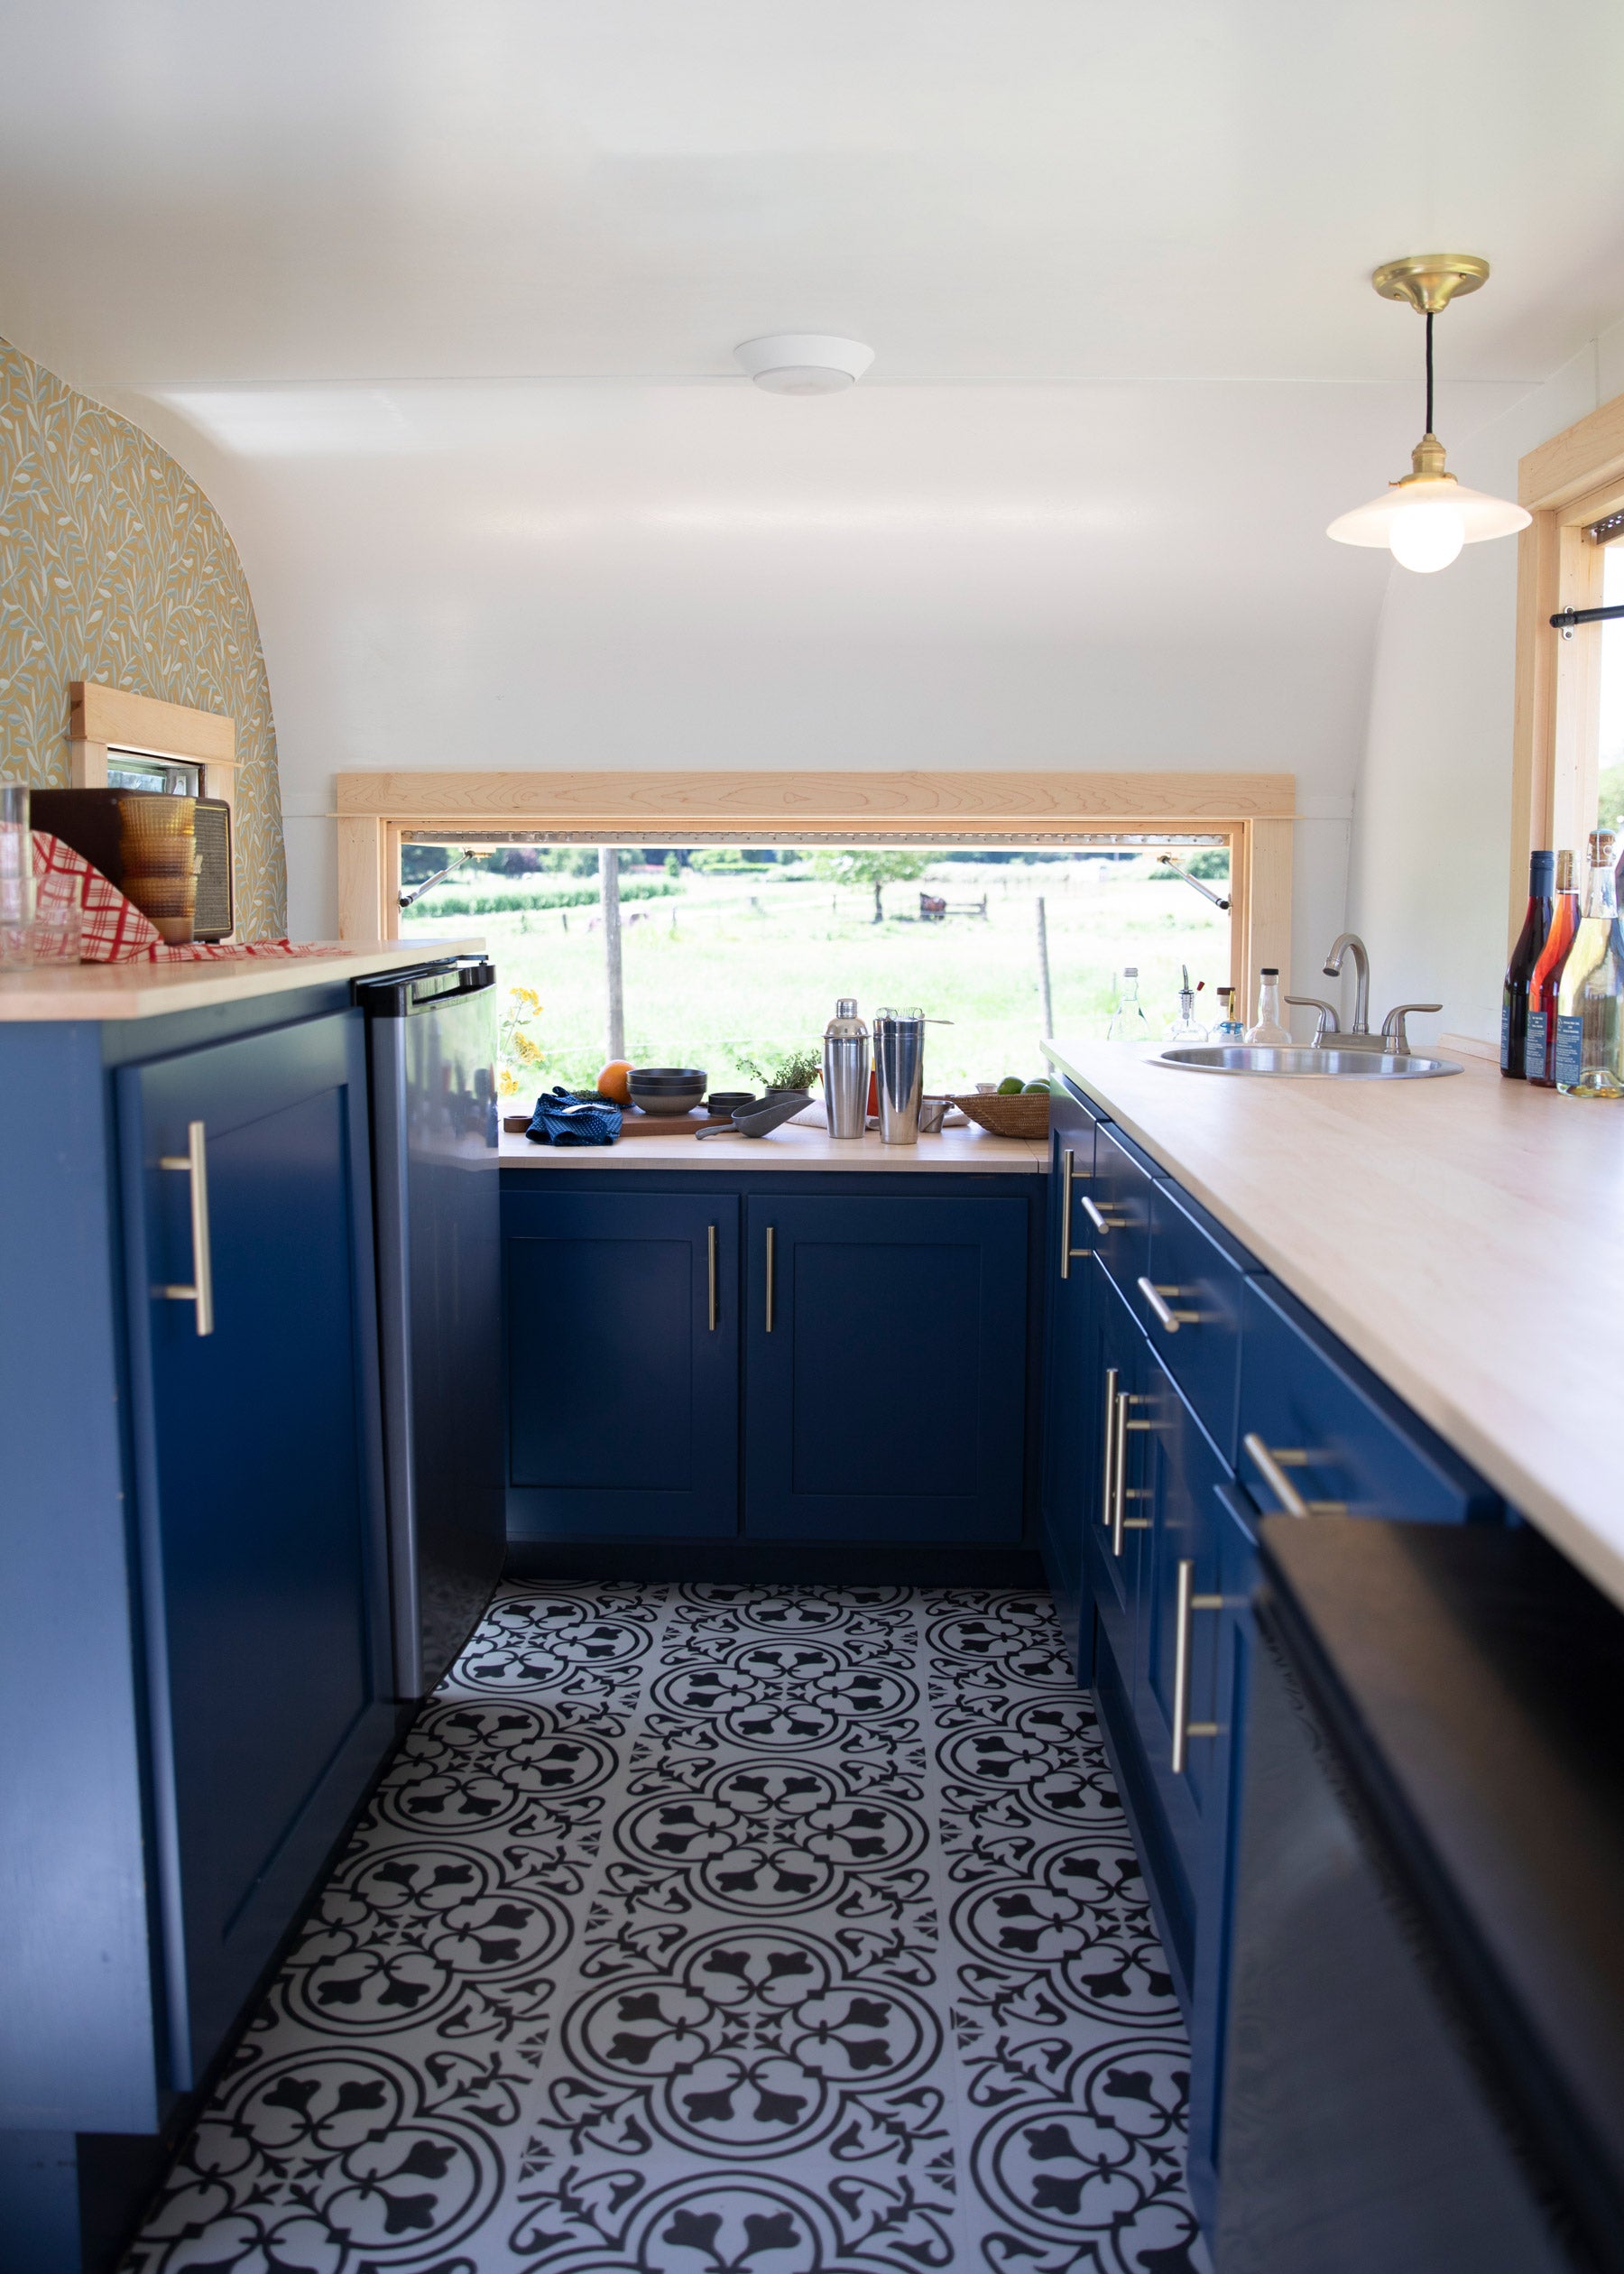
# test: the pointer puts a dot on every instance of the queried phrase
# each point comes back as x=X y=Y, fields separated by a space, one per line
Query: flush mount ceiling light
x=804 y=363
x=1427 y=516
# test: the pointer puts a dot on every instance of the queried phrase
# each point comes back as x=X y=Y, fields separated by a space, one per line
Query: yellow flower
x=528 y=1052
x=507 y=1083
x=527 y=996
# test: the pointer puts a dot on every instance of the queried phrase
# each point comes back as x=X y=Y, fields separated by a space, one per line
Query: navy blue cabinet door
x=1117 y=1489
x=623 y=1340
x=1070 y=1402
x=258 y=1468
x=886 y=1369
x=1236 y=1559
x=1175 y=1644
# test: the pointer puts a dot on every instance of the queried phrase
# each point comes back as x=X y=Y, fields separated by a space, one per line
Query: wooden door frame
x=1575 y=478
x=1255 y=812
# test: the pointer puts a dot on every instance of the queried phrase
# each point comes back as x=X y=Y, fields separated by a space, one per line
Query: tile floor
x=718 y=1930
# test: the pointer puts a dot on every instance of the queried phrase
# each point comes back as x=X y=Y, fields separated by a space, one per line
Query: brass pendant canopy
x=1430 y=281
x=1427 y=516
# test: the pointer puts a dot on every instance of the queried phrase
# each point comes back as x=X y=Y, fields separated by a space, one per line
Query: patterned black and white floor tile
x=718 y=1930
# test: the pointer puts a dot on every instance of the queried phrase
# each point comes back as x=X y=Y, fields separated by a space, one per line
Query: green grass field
x=755 y=964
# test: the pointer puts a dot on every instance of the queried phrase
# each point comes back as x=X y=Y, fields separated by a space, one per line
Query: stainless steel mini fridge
x=432 y=1048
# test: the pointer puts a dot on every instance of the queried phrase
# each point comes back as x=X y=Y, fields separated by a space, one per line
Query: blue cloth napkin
x=561 y=1118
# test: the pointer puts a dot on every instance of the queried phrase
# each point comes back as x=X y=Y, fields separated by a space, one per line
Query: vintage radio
x=90 y=821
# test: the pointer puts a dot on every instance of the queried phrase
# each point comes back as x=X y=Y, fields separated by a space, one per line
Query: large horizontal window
x=730 y=957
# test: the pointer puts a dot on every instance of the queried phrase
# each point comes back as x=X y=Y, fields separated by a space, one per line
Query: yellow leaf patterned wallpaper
x=113 y=566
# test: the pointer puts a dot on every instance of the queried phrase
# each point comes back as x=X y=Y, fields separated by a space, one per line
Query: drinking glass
x=16 y=876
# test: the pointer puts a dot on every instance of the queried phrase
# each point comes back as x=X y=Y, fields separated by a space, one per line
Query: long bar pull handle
x=1099 y=1221
x=1108 y=1489
x=1183 y=1728
x=194 y=1163
x=1272 y=1463
x=710 y=1258
x=1066 y=1159
x=1171 y=1320
x=1120 y=1520
x=769 y=1241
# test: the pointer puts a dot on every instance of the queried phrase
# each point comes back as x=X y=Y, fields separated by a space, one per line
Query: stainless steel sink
x=1353 y=1066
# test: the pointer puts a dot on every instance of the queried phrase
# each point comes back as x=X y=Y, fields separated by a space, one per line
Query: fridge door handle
x=194 y=1163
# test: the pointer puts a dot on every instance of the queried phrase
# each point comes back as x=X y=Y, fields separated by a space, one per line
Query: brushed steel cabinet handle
x=1272 y=1463
x=769 y=1241
x=1121 y=1491
x=1099 y=1221
x=1170 y=1320
x=1068 y=1170
x=194 y=1163
x=1183 y=1728
x=710 y=1258
x=1108 y=1488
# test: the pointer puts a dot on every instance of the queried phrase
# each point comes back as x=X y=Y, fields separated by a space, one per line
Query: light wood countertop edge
x=1598 y=1553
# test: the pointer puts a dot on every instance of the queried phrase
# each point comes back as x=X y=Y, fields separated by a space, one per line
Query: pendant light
x=1425 y=518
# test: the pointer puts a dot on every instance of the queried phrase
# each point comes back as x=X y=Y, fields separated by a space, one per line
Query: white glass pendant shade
x=1424 y=524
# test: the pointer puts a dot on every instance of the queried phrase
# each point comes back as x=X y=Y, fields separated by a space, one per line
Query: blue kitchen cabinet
x=1235 y=1559
x=623 y=1364
x=1174 y=1627
x=1071 y=1433
x=885 y=1368
x=258 y=1510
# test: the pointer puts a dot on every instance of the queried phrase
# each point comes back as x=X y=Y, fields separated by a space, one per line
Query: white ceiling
x=438 y=299
x=1011 y=190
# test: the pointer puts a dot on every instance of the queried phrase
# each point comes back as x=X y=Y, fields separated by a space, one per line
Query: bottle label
x=1506 y=1032
x=1570 y=1052
x=1534 y=1052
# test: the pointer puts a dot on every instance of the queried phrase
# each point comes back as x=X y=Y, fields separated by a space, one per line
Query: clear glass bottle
x=1228 y=1029
x=1270 y=1033
x=1187 y=1027
x=1590 y=999
x=1127 y=1021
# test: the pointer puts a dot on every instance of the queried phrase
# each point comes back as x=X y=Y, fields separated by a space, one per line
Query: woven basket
x=1027 y=1116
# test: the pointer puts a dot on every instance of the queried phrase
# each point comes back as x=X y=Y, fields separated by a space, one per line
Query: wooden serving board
x=631 y=1125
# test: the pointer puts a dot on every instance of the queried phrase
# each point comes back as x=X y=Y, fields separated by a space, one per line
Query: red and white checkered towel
x=113 y=930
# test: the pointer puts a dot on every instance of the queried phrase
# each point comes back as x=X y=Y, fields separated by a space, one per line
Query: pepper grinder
x=846 y=1070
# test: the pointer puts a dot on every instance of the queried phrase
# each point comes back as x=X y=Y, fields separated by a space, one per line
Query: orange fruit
x=611 y=1081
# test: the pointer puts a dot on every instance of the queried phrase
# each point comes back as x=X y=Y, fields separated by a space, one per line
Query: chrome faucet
x=1361 y=977
x=1393 y=1041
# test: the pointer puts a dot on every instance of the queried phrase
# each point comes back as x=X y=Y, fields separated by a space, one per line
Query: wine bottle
x=1589 y=1000
x=1540 y=1050
x=1514 y=994
x=1270 y=1033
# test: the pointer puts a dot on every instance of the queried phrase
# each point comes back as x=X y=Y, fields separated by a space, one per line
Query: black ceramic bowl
x=666 y=1090
x=725 y=1102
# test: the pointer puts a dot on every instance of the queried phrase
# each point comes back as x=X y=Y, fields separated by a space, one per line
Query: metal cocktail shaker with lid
x=899 y=1073
x=846 y=1070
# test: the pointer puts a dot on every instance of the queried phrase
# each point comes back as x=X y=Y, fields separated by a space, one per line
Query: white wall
x=1130 y=577
x=1432 y=811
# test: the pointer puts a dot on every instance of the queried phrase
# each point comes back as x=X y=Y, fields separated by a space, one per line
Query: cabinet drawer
x=1194 y=1324
x=1120 y=1193
x=1336 y=1434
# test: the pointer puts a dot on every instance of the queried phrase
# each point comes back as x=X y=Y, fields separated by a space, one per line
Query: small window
x=1609 y=741
x=171 y=776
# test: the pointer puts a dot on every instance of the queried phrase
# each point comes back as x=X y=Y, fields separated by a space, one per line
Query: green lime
x=1009 y=1086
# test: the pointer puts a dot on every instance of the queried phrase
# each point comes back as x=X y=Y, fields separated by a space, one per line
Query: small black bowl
x=722 y=1103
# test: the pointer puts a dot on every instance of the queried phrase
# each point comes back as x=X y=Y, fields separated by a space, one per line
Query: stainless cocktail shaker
x=846 y=1070
x=899 y=1074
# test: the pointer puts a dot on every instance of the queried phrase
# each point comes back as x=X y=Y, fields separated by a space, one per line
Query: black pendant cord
x=1429 y=372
